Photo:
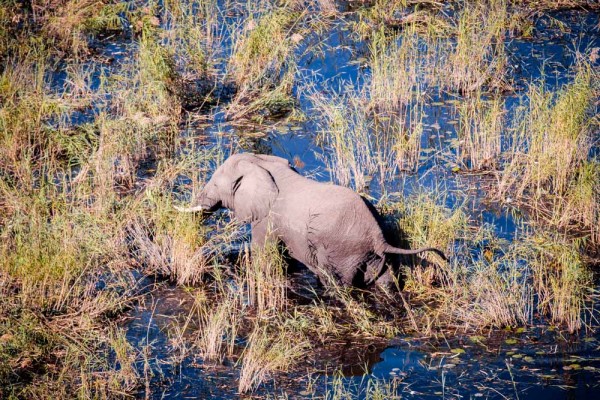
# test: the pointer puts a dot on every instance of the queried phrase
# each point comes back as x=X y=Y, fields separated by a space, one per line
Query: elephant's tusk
x=189 y=209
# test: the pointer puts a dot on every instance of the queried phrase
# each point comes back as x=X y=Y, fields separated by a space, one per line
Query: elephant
x=328 y=228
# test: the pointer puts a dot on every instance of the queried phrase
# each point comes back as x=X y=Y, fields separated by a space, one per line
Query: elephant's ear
x=254 y=192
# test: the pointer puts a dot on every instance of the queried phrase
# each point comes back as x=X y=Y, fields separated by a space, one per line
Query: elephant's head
x=240 y=184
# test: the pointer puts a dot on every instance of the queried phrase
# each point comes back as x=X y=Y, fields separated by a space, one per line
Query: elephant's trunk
x=190 y=209
x=395 y=250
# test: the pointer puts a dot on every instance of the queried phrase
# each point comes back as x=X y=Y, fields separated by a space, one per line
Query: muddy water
x=538 y=363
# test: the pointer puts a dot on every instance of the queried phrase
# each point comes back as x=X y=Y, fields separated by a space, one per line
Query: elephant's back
x=326 y=197
x=327 y=208
x=338 y=210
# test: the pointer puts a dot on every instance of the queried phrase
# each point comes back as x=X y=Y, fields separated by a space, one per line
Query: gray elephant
x=328 y=228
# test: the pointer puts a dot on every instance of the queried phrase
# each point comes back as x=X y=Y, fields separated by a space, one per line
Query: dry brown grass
x=268 y=352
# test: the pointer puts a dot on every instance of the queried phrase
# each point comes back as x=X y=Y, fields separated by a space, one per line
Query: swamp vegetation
x=472 y=126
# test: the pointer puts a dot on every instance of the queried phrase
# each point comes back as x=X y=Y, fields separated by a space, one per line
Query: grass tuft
x=267 y=352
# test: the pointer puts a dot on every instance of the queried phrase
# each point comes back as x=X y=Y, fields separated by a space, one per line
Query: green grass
x=361 y=146
x=346 y=132
x=548 y=163
x=480 y=133
x=479 y=56
x=220 y=325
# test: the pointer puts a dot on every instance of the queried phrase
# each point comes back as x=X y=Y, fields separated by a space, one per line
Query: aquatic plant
x=479 y=56
x=480 y=132
x=548 y=160
x=267 y=352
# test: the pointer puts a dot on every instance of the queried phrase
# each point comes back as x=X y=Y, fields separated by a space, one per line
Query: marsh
x=468 y=126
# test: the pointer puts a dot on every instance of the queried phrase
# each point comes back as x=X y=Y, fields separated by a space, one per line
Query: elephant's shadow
x=394 y=235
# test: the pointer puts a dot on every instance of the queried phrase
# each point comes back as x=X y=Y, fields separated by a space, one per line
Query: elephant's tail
x=395 y=250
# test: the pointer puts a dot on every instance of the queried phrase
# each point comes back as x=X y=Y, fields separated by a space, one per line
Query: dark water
x=533 y=364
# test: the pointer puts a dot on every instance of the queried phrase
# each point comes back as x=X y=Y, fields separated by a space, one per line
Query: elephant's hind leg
x=375 y=269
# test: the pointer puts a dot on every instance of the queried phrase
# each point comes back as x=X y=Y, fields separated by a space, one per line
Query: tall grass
x=83 y=205
x=264 y=279
x=396 y=94
x=66 y=201
x=194 y=32
x=347 y=132
x=480 y=132
x=266 y=353
x=562 y=281
x=548 y=160
x=395 y=73
x=62 y=260
x=70 y=21
x=262 y=61
x=263 y=47
x=502 y=297
x=502 y=284
x=479 y=57
x=219 y=326
x=361 y=147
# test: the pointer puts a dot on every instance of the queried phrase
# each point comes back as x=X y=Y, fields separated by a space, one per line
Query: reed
x=548 y=163
x=480 y=133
